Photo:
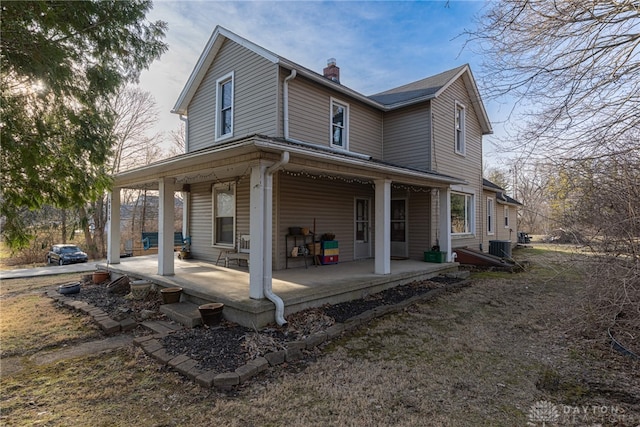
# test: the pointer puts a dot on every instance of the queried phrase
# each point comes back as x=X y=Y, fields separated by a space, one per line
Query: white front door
x=399 y=246
x=362 y=243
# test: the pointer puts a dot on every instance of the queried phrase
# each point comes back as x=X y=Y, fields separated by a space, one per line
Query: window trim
x=229 y=77
x=506 y=217
x=367 y=220
x=345 y=126
x=491 y=216
x=470 y=207
x=462 y=147
x=226 y=186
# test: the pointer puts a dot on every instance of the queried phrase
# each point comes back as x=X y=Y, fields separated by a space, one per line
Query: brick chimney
x=332 y=71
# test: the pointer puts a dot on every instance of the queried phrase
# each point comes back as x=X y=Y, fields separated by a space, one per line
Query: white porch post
x=186 y=200
x=113 y=237
x=257 y=229
x=444 y=227
x=166 y=216
x=383 y=226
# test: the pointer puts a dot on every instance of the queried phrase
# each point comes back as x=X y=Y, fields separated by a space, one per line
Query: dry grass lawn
x=481 y=356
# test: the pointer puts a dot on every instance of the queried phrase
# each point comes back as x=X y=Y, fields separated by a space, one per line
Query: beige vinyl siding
x=200 y=213
x=330 y=202
x=255 y=103
x=419 y=221
x=242 y=206
x=201 y=217
x=407 y=136
x=445 y=160
x=365 y=130
x=308 y=112
x=309 y=118
x=503 y=233
x=500 y=232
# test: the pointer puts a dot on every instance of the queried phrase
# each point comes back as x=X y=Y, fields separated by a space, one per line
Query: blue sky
x=378 y=45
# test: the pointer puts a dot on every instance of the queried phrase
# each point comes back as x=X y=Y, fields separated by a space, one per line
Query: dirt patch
x=119 y=305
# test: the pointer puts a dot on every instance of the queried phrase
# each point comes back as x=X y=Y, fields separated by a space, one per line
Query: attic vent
x=332 y=71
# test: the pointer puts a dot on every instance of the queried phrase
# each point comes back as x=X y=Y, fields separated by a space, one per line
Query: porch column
x=166 y=217
x=444 y=227
x=113 y=219
x=186 y=202
x=257 y=253
x=383 y=226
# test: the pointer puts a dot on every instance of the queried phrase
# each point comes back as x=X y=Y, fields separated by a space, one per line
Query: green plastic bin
x=432 y=256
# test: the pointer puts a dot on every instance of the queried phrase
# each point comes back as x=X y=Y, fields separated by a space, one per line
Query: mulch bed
x=229 y=346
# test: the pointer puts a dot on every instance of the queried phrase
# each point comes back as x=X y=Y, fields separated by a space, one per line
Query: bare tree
x=178 y=141
x=498 y=177
x=533 y=192
x=573 y=68
x=135 y=114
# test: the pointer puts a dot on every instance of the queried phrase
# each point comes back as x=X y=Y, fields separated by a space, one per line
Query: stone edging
x=152 y=344
x=107 y=324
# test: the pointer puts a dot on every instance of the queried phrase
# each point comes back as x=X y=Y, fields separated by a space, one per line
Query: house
x=273 y=147
x=501 y=215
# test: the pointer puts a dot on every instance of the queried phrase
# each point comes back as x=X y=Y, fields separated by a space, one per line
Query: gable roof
x=426 y=88
x=402 y=96
x=491 y=185
x=501 y=197
x=207 y=56
x=430 y=88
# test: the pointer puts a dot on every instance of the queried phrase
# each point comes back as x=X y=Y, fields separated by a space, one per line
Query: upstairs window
x=490 y=216
x=462 y=213
x=339 y=124
x=224 y=107
x=460 y=129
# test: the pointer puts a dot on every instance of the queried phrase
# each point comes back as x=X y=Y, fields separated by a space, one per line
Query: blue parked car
x=66 y=254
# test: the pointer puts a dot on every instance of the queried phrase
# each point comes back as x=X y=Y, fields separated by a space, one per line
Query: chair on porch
x=241 y=253
x=128 y=248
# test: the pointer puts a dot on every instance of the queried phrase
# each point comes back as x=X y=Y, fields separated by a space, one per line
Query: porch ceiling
x=235 y=159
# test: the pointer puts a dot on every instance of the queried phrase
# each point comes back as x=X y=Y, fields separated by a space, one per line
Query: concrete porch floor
x=299 y=287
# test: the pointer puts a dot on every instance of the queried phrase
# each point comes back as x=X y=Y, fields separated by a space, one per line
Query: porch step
x=161 y=326
x=184 y=312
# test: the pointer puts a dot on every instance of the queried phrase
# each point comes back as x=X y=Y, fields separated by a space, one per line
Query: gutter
x=268 y=241
x=355 y=161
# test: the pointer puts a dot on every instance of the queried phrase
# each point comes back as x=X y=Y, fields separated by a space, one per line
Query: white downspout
x=185 y=120
x=286 y=102
x=268 y=240
x=186 y=201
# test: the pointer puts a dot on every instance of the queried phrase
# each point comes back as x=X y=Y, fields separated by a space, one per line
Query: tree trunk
x=88 y=238
x=63 y=221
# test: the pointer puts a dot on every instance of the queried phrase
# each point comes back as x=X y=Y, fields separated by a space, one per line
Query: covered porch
x=257 y=177
x=299 y=288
